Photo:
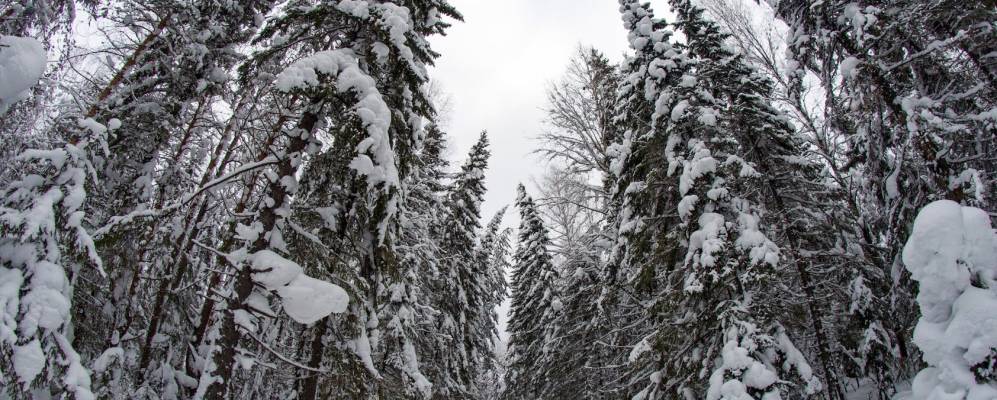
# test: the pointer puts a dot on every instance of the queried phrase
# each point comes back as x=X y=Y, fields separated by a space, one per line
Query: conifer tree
x=725 y=259
x=573 y=365
x=375 y=141
x=905 y=90
x=951 y=254
x=43 y=245
x=461 y=287
x=492 y=255
x=793 y=196
x=639 y=183
x=535 y=306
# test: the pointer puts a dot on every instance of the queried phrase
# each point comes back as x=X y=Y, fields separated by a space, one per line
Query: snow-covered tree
x=905 y=93
x=44 y=245
x=252 y=199
x=461 y=286
x=579 y=114
x=374 y=145
x=535 y=306
x=693 y=231
x=492 y=258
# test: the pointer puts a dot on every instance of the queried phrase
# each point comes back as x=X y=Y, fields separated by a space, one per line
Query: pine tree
x=535 y=306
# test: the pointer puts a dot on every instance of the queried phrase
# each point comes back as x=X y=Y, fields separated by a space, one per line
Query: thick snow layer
x=702 y=163
x=687 y=206
x=22 y=64
x=708 y=116
x=749 y=374
x=376 y=158
x=952 y=254
x=10 y=287
x=410 y=365
x=706 y=242
x=759 y=247
x=272 y=270
x=848 y=67
x=679 y=110
x=795 y=360
x=307 y=299
x=45 y=306
x=29 y=361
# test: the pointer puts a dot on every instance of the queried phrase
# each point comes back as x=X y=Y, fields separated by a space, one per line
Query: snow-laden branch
x=128 y=218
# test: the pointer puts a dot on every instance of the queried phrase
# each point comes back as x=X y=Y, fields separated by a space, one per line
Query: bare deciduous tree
x=579 y=114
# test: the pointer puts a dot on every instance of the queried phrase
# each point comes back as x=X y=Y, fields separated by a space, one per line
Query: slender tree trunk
x=192 y=231
x=243 y=285
x=309 y=386
x=129 y=64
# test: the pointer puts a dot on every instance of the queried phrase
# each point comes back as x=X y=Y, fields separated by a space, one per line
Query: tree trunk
x=132 y=60
x=268 y=216
x=309 y=386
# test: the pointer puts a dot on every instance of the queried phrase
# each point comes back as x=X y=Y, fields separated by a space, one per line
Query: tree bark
x=309 y=386
x=268 y=217
x=132 y=60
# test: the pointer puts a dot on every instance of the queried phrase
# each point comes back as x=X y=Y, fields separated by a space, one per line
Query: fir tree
x=535 y=306
x=461 y=286
x=728 y=257
x=897 y=76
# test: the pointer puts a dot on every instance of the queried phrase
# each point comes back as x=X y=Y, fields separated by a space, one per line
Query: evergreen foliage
x=253 y=200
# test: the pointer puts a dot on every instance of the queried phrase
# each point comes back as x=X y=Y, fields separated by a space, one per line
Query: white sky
x=496 y=66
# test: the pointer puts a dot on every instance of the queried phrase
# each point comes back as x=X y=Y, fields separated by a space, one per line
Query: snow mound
x=273 y=271
x=22 y=64
x=952 y=254
x=305 y=299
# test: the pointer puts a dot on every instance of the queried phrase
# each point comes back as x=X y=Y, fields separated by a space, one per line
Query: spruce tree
x=461 y=287
x=43 y=246
x=710 y=314
x=794 y=199
x=906 y=90
x=375 y=143
x=491 y=257
x=572 y=368
x=535 y=306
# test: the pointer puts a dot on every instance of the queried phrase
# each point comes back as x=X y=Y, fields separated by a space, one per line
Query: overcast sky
x=496 y=66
